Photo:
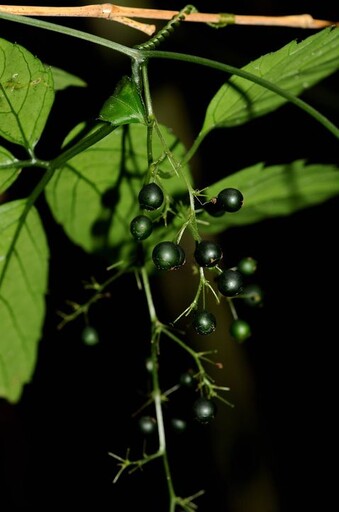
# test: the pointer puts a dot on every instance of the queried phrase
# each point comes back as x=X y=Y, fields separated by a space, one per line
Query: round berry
x=141 y=227
x=230 y=282
x=230 y=199
x=187 y=379
x=204 y=410
x=252 y=295
x=147 y=425
x=240 y=330
x=90 y=335
x=151 y=197
x=214 y=209
x=168 y=256
x=247 y=266
x=207 y=253
x=204 y=322
x=178 y=425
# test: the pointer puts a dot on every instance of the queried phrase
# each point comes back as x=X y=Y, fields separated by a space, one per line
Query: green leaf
x=26 y=95
x=294 y=68
x=125 y=105
x=23 y=282
x=274 y=191
x=94 y=197
x=62 y=79
x=8 y=174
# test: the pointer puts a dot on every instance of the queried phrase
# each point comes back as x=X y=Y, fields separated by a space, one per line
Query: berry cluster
x=169 y=255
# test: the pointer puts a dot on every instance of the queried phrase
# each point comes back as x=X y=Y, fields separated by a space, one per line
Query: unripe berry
x=151 y=197
x=147 y=425
x=207 y=253
x=204 y=410
x=240 y=330
x=204 y=322
x=141 y=227
x=168 y=256
x=247 y=266
x=230 y=199
x=230 y=282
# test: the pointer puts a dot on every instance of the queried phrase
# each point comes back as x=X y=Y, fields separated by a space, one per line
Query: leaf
x=294 y=68
x=8 y=174
x=26 y=95
x=23 y=281
x=62 y=79
x=94 y=197
x=124 y=106
x=274 y=191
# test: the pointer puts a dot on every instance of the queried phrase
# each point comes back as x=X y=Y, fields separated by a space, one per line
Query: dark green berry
x=168 y=256
x=178 y=425
x=230 y=199
x=141 y=227
x=240 y=330
x=147 y=425
x=187 y=379
x=204 y=322
x=204 y=410
x=151 y=197
x=252 y=295
x=90 y=335
x=213 y=208
x=230 y=282
x=247 y=266
x=207 y=253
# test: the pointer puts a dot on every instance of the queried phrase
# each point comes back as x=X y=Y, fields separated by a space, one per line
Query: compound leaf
x=23 y=282
x=274 y=191
x=294 y=68
x=26 y=95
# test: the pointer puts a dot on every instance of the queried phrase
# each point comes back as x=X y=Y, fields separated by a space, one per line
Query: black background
x=272 y=451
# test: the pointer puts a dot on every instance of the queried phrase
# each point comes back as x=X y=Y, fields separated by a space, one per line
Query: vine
x=157 y=204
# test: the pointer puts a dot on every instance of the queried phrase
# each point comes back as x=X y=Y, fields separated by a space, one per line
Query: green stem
x=201 y=61
x=130 y=52
x=100 y=131
x=156 y=387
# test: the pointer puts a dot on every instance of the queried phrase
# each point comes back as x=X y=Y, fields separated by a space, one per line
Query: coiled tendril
x=159 y=37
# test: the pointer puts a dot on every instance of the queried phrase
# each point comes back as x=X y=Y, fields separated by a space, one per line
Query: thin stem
x=248 y=76
x=117 y=12
x=68 y=31
x=99 y=132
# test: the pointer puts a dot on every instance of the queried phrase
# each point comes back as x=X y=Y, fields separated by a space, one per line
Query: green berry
x=178 y=425
x=252 y=295
x=213 y=208
x=204 y=322
x=247 y=266
x=230 y=282
x=204 y=410
x=151 y=197
x=230 y=199
x=141 y=227
x=240 y=330
x=168 y=256
x=187 y=379
x=147 y=425
x=207 y=253
x=90 y=335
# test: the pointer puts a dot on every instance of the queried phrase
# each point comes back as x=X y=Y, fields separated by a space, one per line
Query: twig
x=123 y=15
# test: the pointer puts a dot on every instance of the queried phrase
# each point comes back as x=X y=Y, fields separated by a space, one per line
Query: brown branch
x=124 y=14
